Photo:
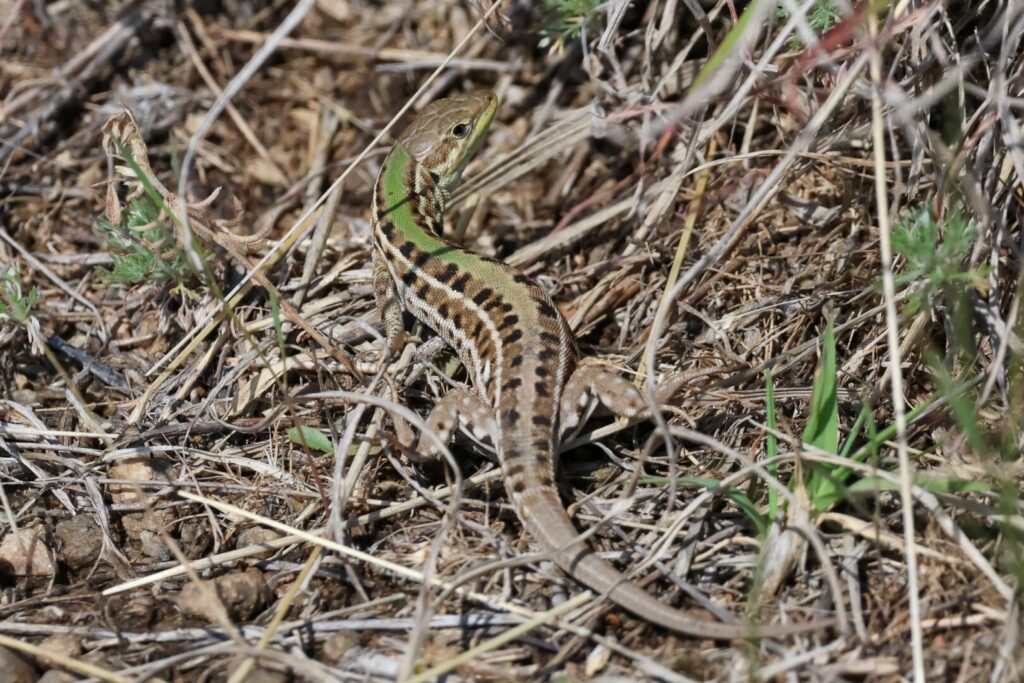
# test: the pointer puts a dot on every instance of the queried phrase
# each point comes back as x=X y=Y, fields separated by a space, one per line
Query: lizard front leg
x=590 y=382
x=389 y=307
x=458 y=408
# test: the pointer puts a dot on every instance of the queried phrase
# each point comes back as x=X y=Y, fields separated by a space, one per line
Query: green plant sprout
x=828 y=484
x=822 y=429
x=564 y=21
x=14 y=304
x=821 y=18
x=145 y=245
x=934 y=252
x=145 y=249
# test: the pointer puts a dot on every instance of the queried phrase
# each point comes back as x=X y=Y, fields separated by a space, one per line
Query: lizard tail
x=545 y=518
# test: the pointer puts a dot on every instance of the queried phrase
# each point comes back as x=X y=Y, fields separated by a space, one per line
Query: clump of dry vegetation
x=777 y=216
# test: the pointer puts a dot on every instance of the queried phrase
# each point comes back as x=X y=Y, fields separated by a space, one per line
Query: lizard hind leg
x=589 y=383
x=458 y=408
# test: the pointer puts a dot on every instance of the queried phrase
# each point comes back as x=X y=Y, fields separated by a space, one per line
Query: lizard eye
x=460 y=130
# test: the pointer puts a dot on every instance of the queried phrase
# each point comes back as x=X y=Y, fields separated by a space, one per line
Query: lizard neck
x=409 y=197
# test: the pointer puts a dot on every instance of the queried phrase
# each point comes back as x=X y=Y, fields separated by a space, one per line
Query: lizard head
x=446 y=134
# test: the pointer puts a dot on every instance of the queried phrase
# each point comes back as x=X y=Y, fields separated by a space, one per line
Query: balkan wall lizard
x=517 y=348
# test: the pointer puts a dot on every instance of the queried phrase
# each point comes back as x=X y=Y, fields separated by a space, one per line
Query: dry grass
x=699 y=220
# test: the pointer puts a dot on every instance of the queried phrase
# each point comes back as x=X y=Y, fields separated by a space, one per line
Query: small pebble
x=243 y=594
x=81 y=541
x=257 y=535
x=25 y=553
x=338 y=645
x=135 y=469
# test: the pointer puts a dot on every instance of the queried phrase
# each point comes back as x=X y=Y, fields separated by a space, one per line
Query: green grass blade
x=312 y=438
x=275 y=315
x=960 y=404
x=731 y=44
x=822 y=430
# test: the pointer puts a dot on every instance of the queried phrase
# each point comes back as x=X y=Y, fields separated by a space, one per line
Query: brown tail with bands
x=547 y=521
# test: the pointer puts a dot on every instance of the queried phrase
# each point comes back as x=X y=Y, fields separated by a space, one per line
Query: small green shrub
x=145 y=248
x=935 y=253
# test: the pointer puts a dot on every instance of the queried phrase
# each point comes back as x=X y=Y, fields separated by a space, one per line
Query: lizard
x=519 y=351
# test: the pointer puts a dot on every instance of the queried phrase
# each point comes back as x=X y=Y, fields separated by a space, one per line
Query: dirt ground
x=198 y=472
